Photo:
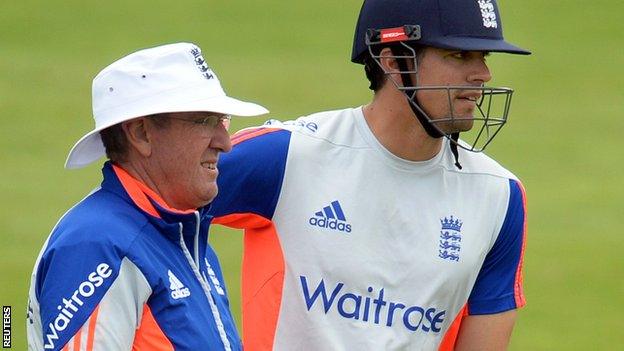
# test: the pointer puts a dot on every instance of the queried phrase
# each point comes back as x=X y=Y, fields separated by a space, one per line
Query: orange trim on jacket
x=262 y=285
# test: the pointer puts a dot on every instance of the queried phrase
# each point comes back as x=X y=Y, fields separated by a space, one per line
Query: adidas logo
x=213 y=278
x=178 y=290
x=331 y=217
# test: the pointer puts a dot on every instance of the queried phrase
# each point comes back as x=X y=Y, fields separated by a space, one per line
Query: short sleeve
x=498 y=287
x=251 y=175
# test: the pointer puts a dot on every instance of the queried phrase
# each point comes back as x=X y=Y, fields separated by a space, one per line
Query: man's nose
x=221 y=139
x=480 y=72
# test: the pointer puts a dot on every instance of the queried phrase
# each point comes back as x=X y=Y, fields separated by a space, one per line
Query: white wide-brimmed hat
x=167 y=78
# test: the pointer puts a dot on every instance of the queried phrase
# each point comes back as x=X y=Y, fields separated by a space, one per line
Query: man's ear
x=390 y=66
x=138 y=135
x=388 y=62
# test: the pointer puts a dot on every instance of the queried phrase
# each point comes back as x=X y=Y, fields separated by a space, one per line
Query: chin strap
x=424 y=121
x=406 y=79
x=455 y=137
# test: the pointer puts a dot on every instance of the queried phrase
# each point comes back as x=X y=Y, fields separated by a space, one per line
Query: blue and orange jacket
x=123 y=271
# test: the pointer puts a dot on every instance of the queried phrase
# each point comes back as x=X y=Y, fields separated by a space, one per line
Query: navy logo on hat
x=201 y=63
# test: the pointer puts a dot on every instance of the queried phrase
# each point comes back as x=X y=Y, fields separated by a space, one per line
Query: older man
x=129 y=267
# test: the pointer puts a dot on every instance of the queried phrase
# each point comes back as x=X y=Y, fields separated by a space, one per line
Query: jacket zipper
x=194 y=263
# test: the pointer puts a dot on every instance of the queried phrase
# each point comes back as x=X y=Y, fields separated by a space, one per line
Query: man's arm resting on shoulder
x=250 y=178
x=488 y=332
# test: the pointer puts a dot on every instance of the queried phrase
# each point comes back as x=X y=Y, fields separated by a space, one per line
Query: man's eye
x=208 y=121
x=467 y=55
x=460 y=55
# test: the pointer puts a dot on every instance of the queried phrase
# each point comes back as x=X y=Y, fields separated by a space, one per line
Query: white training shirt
x=349 y=247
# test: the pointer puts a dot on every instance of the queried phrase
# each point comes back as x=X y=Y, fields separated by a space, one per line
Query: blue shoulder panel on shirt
x=493 y=291
x=251 y=175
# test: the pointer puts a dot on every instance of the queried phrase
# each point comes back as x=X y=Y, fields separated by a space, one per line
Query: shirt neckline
x=387 y=156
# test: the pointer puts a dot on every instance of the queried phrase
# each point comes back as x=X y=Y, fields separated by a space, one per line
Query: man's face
x=439 y=67
x=184 y=158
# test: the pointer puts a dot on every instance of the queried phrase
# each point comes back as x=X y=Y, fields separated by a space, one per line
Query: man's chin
x=456 y=126
x=210 y=195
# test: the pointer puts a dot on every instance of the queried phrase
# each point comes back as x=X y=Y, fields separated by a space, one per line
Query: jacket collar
x=118 y=181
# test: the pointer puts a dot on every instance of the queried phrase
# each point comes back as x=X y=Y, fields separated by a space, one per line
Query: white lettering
x=391 y=35
x=68 y=304
x=95 y=279
x=83 y=291
x=103 y=270
x=65 y=311
x=180 y=293
x=61 y=318
x=76 y=299
x=86 y=289
x=53 y=335
x=488 y=13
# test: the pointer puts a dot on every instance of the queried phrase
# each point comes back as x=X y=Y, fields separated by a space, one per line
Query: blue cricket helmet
x=470 y=25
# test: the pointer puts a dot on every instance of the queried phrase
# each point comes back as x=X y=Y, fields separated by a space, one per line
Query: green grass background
x=563 y=137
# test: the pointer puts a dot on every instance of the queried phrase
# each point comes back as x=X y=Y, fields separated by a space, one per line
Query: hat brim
x=90 y=147
x=476 y=44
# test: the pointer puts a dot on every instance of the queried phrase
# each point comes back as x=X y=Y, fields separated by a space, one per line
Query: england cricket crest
x=488 y=12
x=201 y=63
x=450 y=239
